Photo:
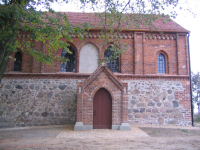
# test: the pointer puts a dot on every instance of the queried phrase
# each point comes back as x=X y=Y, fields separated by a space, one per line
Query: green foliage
x=195 y=78
x=186 y=131
x=197 y=118
x=154 y=132
x=20 y=17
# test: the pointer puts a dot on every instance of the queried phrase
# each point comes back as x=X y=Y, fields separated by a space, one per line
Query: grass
x=196 y=118
x=186 y=131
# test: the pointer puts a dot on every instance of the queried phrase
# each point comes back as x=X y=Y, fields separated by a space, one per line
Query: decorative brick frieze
x=159 y=36
x=122 y=35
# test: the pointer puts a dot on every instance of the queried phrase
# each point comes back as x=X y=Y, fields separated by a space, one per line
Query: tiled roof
x=158 y=25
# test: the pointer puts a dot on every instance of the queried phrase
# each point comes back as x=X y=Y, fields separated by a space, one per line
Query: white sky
x=192 y=24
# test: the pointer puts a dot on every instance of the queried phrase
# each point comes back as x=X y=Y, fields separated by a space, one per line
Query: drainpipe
x=190 y=79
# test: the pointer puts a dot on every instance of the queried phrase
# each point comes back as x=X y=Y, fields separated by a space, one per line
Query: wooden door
x=102 y=110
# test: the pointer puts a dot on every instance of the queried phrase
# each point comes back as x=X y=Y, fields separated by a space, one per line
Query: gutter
x=190 y=80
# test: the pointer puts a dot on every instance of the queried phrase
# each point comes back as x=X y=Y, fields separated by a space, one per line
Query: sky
x=193 y=25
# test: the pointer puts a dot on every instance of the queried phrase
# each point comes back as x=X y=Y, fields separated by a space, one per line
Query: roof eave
x=143 y=30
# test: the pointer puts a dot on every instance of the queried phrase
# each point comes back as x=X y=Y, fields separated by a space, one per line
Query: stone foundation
x=159 y=102
x=34 y=102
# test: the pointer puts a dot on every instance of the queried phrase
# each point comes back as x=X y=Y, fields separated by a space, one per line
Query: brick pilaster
x=79 y=103
x=182 y=51
x=125 y=103
x=139 y=52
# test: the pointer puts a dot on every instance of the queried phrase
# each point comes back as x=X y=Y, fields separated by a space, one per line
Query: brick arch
x=72 y=45
x=89 y=42
x=162 y=52
x=119 y=58
x=13 y=57
x=76 y=57
x=166 y=61
x=99 y=87
x=104 y=49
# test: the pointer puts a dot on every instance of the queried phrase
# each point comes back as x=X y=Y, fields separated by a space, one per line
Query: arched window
x=18 y=61
x=113 y=61
x=68 y=66
x=89 y=56
x=161 y=63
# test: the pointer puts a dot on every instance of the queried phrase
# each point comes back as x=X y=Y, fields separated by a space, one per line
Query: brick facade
x=139 y=58
x=137 y=70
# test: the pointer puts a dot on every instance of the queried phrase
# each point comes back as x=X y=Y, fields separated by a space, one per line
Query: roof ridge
x=160 y=24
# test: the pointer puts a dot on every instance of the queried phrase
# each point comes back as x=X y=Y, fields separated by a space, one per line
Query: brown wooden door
x=102 y=110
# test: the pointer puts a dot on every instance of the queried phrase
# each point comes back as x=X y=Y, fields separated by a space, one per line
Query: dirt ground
x=158 y=137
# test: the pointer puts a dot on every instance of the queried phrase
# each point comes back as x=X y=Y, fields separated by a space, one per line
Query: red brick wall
x=182 y=50
x=26 y=65
x=102 y=78
x=36 y=66
x=139 y=52
x=152 y=48
x=139 y=58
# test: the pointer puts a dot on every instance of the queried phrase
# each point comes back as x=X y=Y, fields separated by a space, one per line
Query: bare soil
x=45 y=138
x=166 y=132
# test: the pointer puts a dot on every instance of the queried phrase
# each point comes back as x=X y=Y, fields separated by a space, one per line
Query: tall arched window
x=113 y=61
x=161 y=63
x=89 y=56
x=68 y=66
x=18 y=61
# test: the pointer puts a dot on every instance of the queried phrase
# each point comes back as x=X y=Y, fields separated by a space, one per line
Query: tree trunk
x=4 y=62
x=5 y=53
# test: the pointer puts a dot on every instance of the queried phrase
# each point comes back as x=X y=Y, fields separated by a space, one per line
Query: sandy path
x=63 y=138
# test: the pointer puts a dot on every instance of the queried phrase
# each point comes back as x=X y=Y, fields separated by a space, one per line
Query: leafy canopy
x=196 y=87
x=19 y=17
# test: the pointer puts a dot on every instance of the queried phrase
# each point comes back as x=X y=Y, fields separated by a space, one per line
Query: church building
x=148 y=84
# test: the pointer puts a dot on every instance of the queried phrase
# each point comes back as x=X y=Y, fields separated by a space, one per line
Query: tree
x=19 y=16
x=196 y=90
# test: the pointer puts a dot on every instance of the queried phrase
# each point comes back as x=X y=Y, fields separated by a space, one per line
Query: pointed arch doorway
x=102 y=110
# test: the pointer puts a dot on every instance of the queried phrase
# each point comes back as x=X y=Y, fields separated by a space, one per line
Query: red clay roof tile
x=158 y=25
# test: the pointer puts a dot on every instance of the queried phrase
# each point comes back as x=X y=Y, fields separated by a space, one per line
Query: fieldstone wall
x=159 y=102
x=33 y=102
